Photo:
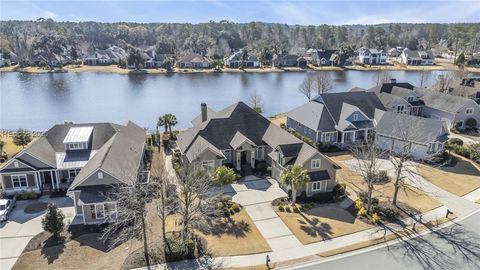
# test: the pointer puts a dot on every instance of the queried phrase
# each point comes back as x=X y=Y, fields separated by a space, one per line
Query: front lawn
x=225 y=236
x=410 y=197
x=82 y=251
x=460 y=178
x=321 y=223
x=10 y=148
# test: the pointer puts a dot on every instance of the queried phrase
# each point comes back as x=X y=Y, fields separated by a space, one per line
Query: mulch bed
x=35 y=208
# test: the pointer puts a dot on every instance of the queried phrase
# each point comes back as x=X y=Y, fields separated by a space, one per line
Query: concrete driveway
x=256 y=195
x=21 y=227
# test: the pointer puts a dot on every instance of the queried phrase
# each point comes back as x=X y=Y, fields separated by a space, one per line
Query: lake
x=37 y=101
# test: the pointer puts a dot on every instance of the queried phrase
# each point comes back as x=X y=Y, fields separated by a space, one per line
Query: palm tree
x=295 y=176
x=161 y=122
x=171 y=121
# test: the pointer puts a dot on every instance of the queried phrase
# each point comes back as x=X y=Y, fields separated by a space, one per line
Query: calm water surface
x=37 y=101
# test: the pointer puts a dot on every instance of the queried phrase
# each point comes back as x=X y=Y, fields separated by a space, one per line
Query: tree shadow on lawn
x=453 y=247
x=52 y=248
x=315 y=228
x=226 y=226
x=332 y=212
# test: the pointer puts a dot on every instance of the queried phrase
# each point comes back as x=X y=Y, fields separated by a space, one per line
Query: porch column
x=238 y=161
x=343 y=136
x=57 y=180
x=252 y=159
x=366 y=134
x=37 y=182
x=52 y=180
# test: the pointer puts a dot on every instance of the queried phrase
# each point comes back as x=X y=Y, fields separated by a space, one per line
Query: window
x=469 y=111
x=208 y=164
x=280 y=159
x=355 y=117
x=100 y=175
x=410 y=99
x=76 y=146
x=260 y=153
x=315 y=163
x=228 y=155
x=319 y=186
x=400 y=108
x=15 y=164
x=460 y=123
x=97 y=211
x=73 y=173
x=327 y=137
x=19 y=180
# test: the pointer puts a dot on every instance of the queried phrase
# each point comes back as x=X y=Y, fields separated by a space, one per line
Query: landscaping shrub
x=226 y=198
x=281 y=208
x=322 y=197
x=358 y=204
x=282 y=125
x=261 y=167
x=287 y=208
x=27 y=196
x=235 y=207
x=389 y=212
x=471 y=123
x=362 y=212
x=375 y=218
x=455 y=141
x=339 y=191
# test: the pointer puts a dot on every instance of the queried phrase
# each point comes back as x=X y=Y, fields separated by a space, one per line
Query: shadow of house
x=335 y=213
x=262 y=185
x=459 y=166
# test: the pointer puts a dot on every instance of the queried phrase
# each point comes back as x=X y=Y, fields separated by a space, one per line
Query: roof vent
x=393 y=80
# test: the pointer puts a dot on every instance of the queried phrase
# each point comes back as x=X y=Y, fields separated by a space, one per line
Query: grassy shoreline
x=116 y=70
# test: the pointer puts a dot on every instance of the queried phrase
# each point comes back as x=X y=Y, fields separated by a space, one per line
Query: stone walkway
x=256 y=195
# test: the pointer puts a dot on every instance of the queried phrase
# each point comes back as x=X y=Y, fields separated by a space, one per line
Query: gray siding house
x=83 y=159
x=454 y=110
x=240 y=137
x=336 y=117
x=420 y=138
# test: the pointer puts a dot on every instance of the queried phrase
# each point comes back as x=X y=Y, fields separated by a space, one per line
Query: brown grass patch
x=279 y=119
x=412 y=197
x=10 y=148
x=235 y=235
x=322 y=223
x=459 y=179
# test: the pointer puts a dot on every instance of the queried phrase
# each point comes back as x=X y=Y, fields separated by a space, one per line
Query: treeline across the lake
x=218 y=39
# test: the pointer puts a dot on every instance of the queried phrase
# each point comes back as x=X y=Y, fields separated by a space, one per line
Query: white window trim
x=467 y=111
x=73 y=172
x=20 y=182
x=100 y=175
x=319 y=185
x=95 y=210
x=208 y=164
x=313 y=162
x=260 y=149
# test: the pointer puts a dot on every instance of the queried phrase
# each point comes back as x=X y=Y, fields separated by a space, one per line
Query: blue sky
x=290 y=12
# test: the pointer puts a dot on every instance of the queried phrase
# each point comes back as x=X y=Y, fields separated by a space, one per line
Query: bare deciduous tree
x=255 y=101
x=194 y=206
x=307 y=87
x=166 y=203
x=323 y=82
x=423 y=78
x=366 y=153
x=129 y=221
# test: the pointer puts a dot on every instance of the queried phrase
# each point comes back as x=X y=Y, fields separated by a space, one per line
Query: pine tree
x=53 y=221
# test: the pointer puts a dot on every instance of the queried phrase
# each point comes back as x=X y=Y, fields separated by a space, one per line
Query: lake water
x=37 y=101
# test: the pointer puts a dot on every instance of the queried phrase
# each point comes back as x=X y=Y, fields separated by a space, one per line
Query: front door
x=243 y=158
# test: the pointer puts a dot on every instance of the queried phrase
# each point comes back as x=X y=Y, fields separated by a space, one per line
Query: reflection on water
x=37 y=101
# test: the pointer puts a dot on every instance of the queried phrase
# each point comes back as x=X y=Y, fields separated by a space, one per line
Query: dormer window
x=78 y=138
x=469 y=111
x=410 y=99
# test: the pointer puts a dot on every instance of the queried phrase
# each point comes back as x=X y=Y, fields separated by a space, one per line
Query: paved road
x=454 y=247
x=17 y=232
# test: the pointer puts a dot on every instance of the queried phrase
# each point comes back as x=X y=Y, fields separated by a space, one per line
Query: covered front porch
x=56 y=180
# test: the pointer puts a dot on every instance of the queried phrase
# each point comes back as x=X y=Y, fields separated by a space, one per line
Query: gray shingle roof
x=444 y=102
x=367 y=102
x=312 y=115
x=413 y=128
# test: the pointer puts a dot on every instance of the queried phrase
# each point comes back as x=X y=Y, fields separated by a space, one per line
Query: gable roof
x=120 y=156
x=194 y=57
x=444 y=102
x=412 y=128
x=312 y=115
x=367 y=102
x=387 y=87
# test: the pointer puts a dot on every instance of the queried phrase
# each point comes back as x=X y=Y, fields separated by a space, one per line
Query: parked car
x=6 y=206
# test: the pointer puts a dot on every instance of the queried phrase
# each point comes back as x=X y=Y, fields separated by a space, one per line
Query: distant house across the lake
x=372 y=56
x=194 y=60
x=237 y=60
x=416 y=58
x=110 y=56
x=290 y=60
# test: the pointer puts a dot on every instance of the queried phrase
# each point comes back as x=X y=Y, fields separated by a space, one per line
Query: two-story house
x=372 y=56
x=416 y=58
x=336 y=117
x=85 y=160
x=239 y=137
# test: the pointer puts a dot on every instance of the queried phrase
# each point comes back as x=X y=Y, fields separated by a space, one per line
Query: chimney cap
x=203 y=104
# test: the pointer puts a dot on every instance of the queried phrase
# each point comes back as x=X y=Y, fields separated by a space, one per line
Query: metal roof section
x=78 y=134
